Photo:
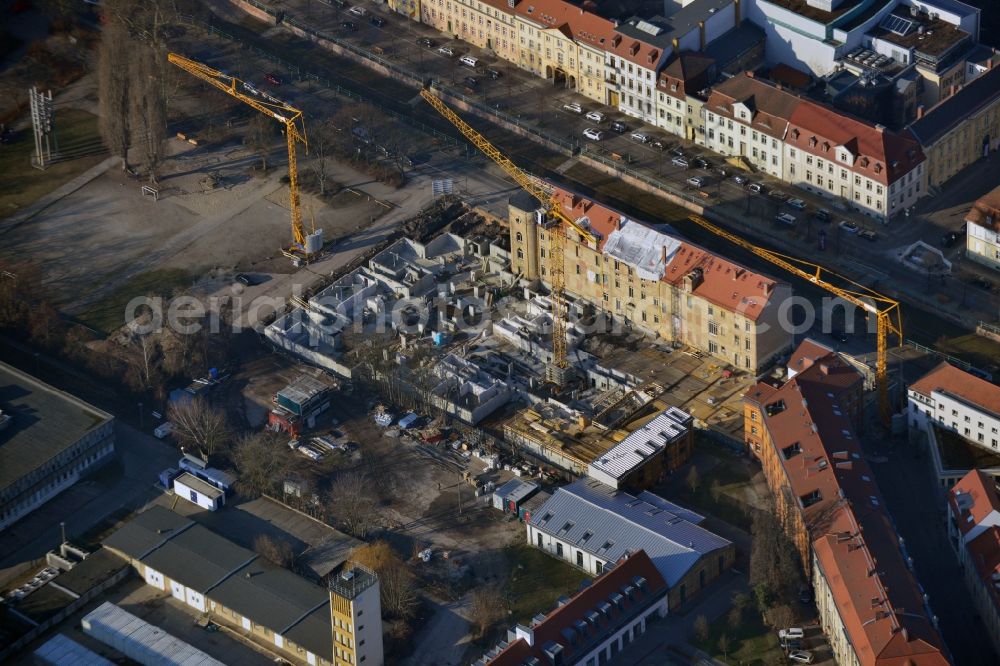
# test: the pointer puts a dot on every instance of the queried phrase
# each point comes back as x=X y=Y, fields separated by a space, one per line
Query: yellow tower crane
x=886 y=310
x=295 y=132
x=534 y=186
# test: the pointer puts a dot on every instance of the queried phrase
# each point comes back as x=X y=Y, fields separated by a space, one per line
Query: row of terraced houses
x=674 y=72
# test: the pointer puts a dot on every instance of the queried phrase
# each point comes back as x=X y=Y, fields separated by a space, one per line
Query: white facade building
x=189 y=487
x=955 y=400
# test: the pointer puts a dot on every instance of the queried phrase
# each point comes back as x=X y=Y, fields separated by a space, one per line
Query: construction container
x=167 y=477
x=509 y=496
x=140 y=641
x=63 y=651
x=532 y=504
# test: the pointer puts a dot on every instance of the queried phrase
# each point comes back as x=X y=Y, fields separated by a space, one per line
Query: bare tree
x=350 y=499
x=196 y=423
x=259 y=462
x=693 y=481
x=277 y=551
x=396 y=590
x=113 y=90
x=781 y=617
x=488 y=607
x=322 y=141
x=724 y=646
x=147 y=120
x=701 y=627
x=260 y=137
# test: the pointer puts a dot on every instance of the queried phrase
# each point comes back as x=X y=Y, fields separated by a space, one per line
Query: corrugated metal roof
x=67 y=652
x=607 y=523
x=198 y=558
x=139 y=639
x=647 y=441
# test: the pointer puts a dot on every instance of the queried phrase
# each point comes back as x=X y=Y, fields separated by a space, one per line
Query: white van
x=468 y=61
x=791 y=633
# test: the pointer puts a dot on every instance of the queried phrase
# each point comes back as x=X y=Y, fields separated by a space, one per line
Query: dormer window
x=634 y=48
x=812 y=142
x=878 y=168
x=795 y=134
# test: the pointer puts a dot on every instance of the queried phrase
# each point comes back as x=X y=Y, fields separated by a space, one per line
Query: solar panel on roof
x=649 y=28
x=897 y=25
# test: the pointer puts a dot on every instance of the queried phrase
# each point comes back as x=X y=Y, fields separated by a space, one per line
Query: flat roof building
x=49 y=441
x=240 y=589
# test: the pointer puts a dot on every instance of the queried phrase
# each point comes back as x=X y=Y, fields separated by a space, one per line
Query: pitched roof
x=580 y=618
x=609 y=523
x=688 y=71
x=578 y=24
x=771 y=108
x=973 y=498
x=147 y=531
x=986 y=211
x=951 y=112
x=723 y=282
x=844 y=513
x=878 y=153
x=984 y=551
x=199 y=557
x=949 y=379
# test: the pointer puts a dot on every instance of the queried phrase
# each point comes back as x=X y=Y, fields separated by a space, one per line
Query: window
x=598 y=567
x=559 y=549
x=579 y=558
x=194 y=497
x=539 y=540
x=713 y=328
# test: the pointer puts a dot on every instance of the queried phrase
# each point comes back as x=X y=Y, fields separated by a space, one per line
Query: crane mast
x=558 y=370
x=287 y=115
x=886 y=310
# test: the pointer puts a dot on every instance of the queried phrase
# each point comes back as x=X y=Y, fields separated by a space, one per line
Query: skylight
x=897 y=25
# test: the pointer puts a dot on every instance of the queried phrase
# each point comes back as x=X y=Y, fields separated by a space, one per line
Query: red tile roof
x=724 y=283
x=957 y=382
x=690 y=71
x=575 y=22
x=634 y=50
x=878 y=153
x=986 y=211
x=858 y=550
x=771 y=107
x=808 y=352
x=589 y=598
x=984 y=551
x=981 y=490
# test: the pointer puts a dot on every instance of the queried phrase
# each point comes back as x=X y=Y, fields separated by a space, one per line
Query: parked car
x=950 y=238
x=700 y=163
x=822 y=215
x=572 y=107
x=801 y=656
x=696 y=181
x=778 y=195
x=838 y=335
x=377 y=21
x=981 y=282
x=640 y=137
x=660 y=145
x=273 y=79
x=680 y=162
x=805 y=594
x=469 y=61
x=593 y=134
x=446 y=51
x=494 y=73
x=722 y=171
x=740 y=180
x=868 y=235
x=785 y=218
x=425 y=42
x=357 y=11
x=349 y=26
x=849 y=227
x=791 y=632
x=792 y=644
x=757 y=188
x=797 y=204
x=248 y=280
x=471 y=82
x=619 y=126
x=596 y=116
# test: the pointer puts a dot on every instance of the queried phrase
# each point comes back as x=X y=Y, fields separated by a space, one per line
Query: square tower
x=356 y=617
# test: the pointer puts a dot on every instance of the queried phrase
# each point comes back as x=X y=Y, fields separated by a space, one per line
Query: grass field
x=732 y=476
x=751 y=644
x=78 y=141
x=109 y=314
x=537 y=580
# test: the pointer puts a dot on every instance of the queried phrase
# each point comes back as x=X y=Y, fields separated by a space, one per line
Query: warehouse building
x=49 y=440
x=239 y=589
x=589 y=524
